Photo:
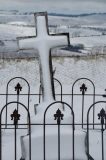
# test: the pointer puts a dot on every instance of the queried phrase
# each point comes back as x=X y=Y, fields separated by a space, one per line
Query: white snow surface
x=89 y=42
x=67 y=71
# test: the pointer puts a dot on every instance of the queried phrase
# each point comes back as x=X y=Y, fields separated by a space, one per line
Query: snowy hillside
x=88 y=30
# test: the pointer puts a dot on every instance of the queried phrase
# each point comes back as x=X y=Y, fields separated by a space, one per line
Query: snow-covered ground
x=90 y=41
x=67 y=70
x=89 y=31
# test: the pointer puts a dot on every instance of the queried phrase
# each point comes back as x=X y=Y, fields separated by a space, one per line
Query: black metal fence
x=15 y=119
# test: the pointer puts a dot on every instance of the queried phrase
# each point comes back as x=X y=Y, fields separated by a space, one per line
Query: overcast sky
x=60 y=6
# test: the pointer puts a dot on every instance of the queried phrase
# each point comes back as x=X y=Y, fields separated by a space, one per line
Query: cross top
x=43 y=19
x=44 y=42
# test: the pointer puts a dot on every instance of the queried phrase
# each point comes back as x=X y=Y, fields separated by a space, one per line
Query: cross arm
x=59 y=40
x=27 y=43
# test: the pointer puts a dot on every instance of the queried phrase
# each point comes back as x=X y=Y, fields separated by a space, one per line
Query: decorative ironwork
x=83 y=95
x=15 y=116
x=58 y=116
x=102 y=116
x=18 y=88
x=18 y=95
x=83 y=89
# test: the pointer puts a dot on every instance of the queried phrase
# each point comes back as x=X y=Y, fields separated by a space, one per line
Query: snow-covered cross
x=43 y=42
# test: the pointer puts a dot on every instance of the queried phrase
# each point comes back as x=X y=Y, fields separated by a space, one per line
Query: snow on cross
x=43 y=42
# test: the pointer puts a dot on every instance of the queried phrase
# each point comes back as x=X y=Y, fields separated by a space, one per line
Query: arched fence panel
x=95 y=138
x=17 y=92
x=16 y=119
x=58 y=115
x=83 y=88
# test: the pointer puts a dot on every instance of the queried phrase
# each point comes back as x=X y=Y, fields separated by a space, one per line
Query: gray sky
x=60 y=6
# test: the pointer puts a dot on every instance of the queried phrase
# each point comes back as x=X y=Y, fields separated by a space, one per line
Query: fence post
x=83 y=89
x=58 y=116
x=102 y=117
x=0 y=138
x=72 y=100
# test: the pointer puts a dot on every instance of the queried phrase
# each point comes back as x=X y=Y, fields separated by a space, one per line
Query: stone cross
x=44 y=42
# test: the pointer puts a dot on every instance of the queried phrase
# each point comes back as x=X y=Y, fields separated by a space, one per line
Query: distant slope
x=75 y=15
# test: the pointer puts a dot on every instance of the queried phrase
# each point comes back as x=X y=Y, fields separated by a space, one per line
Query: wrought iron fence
x=83 y=90
x=102 y=118
x=18 y=89
x=89 y=126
